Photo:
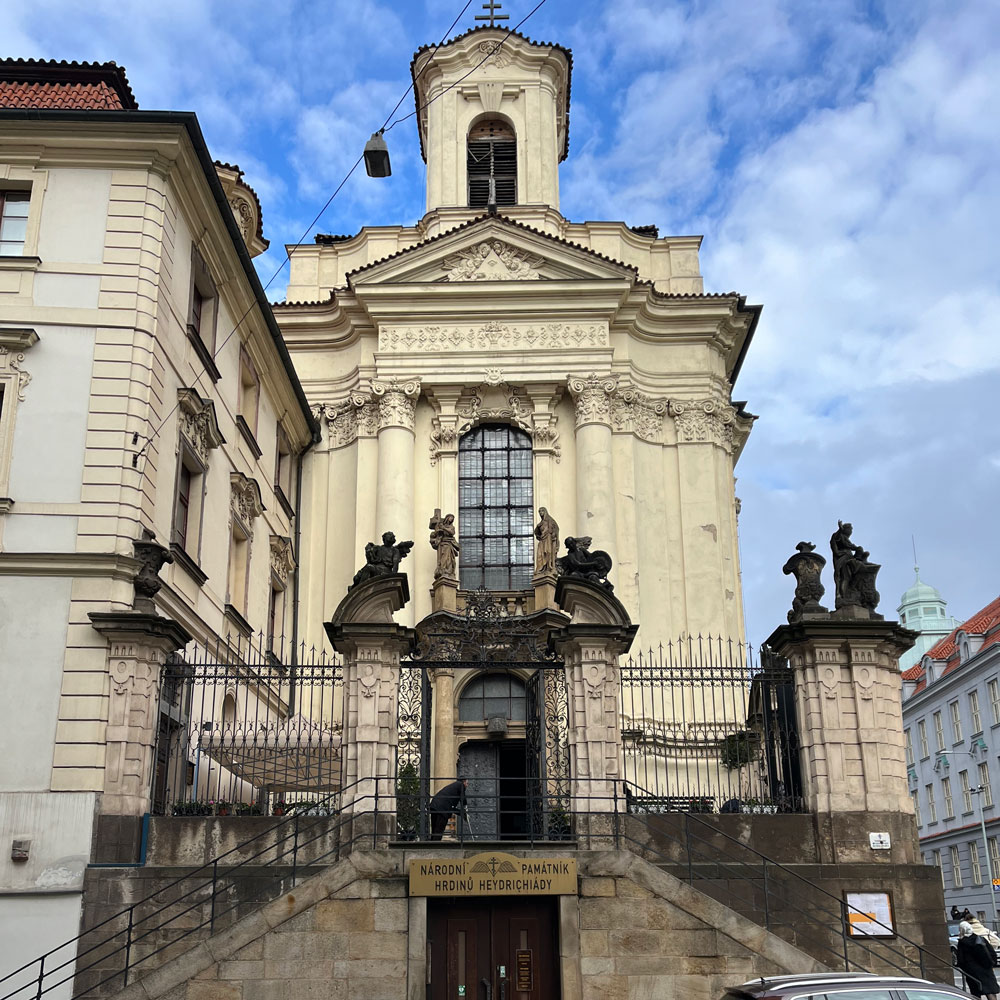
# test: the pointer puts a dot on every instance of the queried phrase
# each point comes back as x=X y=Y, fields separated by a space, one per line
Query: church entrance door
x=498 y=788
x=504 y=949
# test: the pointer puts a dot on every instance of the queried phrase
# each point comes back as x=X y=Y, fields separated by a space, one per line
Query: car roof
x=769 y=983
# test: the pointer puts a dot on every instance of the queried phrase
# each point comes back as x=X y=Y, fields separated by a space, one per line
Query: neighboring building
x=922 y=609
x=128 y=408
x=951 y=715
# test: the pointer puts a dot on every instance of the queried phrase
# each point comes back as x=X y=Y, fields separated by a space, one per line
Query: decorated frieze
x=492 y=336
x=198 y=424
x=492 y=260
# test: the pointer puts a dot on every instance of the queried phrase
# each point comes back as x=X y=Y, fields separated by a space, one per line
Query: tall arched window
x=495 y=508
x=491 y=164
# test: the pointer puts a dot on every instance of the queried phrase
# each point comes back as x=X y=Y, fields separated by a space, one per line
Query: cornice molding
x=69 y=564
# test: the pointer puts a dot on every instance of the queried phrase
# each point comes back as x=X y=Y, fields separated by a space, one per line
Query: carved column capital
x=633 y=412
x=704 y=421
x=397 y=401
x=593 y=397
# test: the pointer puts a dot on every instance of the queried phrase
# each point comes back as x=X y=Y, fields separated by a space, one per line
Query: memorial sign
x=493 y=874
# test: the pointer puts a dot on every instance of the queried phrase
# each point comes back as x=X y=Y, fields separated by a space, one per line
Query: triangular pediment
x=487 y=250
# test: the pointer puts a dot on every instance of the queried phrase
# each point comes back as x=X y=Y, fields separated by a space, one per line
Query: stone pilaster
x=445 y=749
x=595 y=498
x=363 y=631
x=599 y=632
x=850 y=721
x=138 y=644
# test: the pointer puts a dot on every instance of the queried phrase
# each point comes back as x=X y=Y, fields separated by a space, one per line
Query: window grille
x=491 y=164
x=956 y=867
x=495 y=508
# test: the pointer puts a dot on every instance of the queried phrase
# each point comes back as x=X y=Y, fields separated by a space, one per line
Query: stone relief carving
x=492 y=260
x=245 y=501
x=497 y=403
x=346 y=422
x=282 y=559
x=246 y=219
x=708 y=420
x=593 y=398
x=397 y=401
x=199 y=427
x=636 y=413
x=494 y=52
x=492 y=336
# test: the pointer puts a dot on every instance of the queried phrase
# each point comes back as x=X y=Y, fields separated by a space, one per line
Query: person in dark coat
x=451 y=799
x=976 y=959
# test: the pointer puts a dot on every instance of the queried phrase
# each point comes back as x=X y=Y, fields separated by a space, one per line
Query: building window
x=956 y=867
x=239 y=568
x=994 y=849
x=993 y=687
x=938 y=731
x=283 y=472
x=495 y=508
x=937 y=861
x=949 y=805
x=491 y=164
x=275 y=619
x=963 y=777
x=956 y=722
x=931 y=805
x=984 y=784
x=13 y=221
x=249 y=392
x=916 y=807
x=977 y=872
x=977 y=722
x=922 y=738
x=188 y=502
x=491 y=695
x=203 y=313
x=909 y=746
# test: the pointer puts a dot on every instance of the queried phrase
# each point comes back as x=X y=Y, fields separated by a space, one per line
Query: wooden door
x=493 y=950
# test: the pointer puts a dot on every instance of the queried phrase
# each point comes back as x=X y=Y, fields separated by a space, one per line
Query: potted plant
x=279 y=808
x=739 y=749
x=759 y=807
x=222 y=808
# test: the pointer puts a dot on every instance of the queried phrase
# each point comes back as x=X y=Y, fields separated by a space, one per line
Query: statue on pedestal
x=445 y=543
x=806 y=565
x=853 y=574
x=547 y=534
x=580 y=562
x=382 y=560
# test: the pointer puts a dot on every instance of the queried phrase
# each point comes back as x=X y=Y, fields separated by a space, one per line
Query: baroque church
x=458 y=516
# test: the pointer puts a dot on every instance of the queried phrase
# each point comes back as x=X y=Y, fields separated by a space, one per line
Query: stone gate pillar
x=598 y=633
x=363 y=632
x=850 y=724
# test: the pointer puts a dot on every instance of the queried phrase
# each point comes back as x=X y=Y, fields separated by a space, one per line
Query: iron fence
x=242 y=731
x=708 y=726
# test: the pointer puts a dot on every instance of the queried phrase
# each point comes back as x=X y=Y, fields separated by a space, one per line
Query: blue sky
x=840 y=158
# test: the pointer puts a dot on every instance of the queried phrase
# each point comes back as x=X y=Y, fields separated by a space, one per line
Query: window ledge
x=5 y=505
x=242 y=625
x=248 y=436
x=18 y=262
x=204 y=354
x=188 y=564
x=284 y=502
x=18 y=338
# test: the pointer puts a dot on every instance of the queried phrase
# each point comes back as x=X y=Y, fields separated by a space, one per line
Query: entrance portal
x=498 y=788
x=493 y=949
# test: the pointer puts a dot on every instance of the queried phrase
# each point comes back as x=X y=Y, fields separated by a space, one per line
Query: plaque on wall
x=493 y=874
x=869 y=914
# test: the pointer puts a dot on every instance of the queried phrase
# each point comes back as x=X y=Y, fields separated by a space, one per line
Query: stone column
x=595 y=495
x=599 y=632
x=850 y=722
x=363 y=631
x=445 y=752
x=138 y=644
x=397 y=402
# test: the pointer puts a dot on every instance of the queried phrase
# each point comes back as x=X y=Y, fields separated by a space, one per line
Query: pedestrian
x=980 y=930
x=976 y=959
x=450 y=799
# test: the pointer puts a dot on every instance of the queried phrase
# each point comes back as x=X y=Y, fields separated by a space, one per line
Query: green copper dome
x=922 y=609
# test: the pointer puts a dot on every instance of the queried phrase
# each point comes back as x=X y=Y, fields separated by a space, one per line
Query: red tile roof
x=51 y=84
x=985 y=623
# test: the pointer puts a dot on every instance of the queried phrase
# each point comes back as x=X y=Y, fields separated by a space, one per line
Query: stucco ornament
x=704 y=420
x=636 y=413
x=198 y=424
x=492 y=260
x=347 y=421
x=491 y=336
x=246 y=217
x=282 y=559
x=593 y=397
x=10 y=362
x=397 y=401
x=494 y=52
x=244 y=498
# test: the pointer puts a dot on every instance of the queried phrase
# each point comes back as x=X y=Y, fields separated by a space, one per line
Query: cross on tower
x=492 y=16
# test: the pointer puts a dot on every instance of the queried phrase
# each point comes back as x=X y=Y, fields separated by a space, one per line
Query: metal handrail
x=588 y=816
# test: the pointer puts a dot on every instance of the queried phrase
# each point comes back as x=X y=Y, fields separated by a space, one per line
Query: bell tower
x=497 y=125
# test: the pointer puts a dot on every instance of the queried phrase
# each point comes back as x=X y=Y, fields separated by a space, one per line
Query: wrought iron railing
x=242 y=730
x=152 y=930
x=710 y=726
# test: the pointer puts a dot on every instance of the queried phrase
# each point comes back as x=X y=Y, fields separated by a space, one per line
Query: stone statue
x=444 y=542
x=806 y=565
x=147 y=582
x=547 y=533
x=382 y=560
x=853 y=575
x=580 y=562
